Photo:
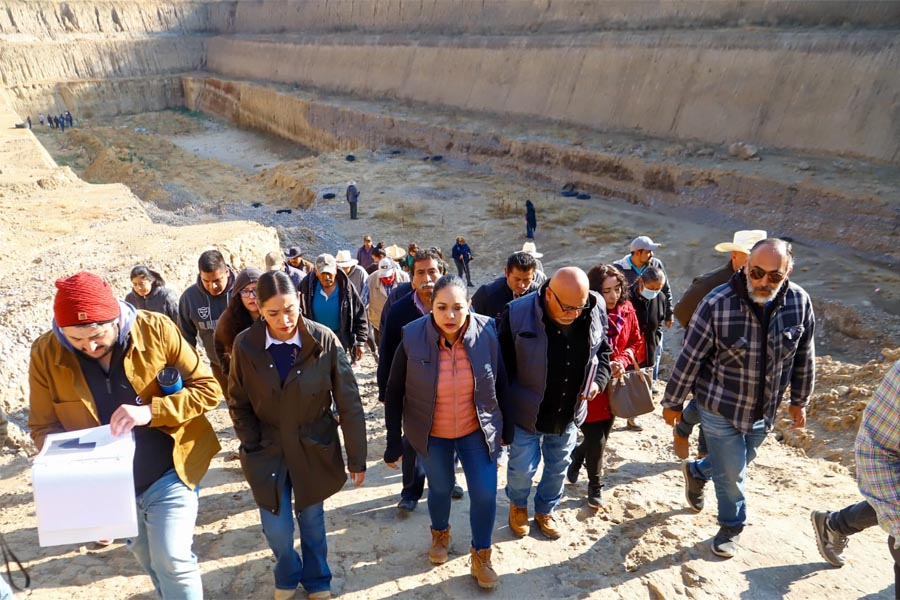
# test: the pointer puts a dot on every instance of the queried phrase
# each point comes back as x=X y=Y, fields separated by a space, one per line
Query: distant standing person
x=28 y=119
x=530 y=219
x=462 y=256
x=352 y=198
x=287 y=373
x=62 y=122
x=69 y=119
x=41 y=119
x=149 y=292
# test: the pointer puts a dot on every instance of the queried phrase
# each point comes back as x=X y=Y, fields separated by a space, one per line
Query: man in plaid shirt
x=748 y=339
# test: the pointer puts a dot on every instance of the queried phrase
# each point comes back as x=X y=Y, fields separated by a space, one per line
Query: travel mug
x=169 y=380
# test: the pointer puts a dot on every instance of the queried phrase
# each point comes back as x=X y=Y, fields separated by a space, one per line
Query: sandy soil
x=643 y=543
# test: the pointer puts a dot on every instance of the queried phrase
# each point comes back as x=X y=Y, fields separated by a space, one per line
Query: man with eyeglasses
x=98 y=365
x=201 y=305
x=556 y=354
x=747 y=341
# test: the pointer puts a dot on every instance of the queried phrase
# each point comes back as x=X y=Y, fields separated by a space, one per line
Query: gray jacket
x=160 y=299
x=412 y=386
x=199 y=312
x=523 y=339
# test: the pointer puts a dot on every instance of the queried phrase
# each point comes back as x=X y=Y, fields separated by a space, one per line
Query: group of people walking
x=518 y=368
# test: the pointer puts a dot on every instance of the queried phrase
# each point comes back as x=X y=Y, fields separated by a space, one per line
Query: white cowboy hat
x=743 y=241
x=394 y=251
x=531 y=249
x=344 y=260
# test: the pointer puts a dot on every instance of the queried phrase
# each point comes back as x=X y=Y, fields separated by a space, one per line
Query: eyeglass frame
x=565 y=307
x=775 y=277
x=248 y=293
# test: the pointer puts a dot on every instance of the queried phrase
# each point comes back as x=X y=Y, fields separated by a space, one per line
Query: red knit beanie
x=82 y=299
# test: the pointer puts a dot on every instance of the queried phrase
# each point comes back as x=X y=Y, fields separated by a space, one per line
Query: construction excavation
x=237 y=125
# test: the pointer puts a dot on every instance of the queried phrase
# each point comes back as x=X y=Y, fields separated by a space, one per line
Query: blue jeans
x=525 y=455
x=481 y=479
x=167 y=513
x=658 y=356
x=730 y=451
x=6 y=592
x=290 y=571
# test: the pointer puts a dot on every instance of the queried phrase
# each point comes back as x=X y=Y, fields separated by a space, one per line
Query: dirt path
x=644 y=543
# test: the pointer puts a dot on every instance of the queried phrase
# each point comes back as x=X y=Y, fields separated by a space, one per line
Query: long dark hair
x=599 y=273
x=156 y=280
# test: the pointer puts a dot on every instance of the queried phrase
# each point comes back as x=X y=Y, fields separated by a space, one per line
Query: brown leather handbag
x=630 y=396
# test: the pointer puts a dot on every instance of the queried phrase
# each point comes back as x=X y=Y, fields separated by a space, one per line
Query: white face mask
x=649 y=294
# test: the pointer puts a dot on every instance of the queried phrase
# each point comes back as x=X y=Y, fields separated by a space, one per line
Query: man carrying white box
x=99 y=365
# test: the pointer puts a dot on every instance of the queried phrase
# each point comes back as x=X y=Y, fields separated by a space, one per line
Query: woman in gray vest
x=447 y=389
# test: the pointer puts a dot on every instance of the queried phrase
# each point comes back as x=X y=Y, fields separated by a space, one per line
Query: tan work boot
x=681 y=445
x=547 y=524
x=482 y=569
x=284 y=594
x=518 y=520
x=440 y=546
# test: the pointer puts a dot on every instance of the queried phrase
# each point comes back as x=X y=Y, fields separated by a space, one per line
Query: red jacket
x=627 y=343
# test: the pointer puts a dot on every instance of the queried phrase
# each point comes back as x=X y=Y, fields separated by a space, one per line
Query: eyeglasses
x=759 y=273
x=566 y=307
x=248 y=293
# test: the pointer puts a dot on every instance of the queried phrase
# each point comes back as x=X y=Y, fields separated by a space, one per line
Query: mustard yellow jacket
x=61 y=399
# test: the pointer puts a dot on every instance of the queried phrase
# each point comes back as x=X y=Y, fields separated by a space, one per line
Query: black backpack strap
x=9 y=555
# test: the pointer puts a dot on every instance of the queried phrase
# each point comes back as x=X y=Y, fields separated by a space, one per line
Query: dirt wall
x=60 y=19
x=531 y=16
x=807 y=209
x=100 y=98
x=766 y=87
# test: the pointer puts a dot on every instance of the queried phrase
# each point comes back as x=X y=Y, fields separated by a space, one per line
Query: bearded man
x=749 y=338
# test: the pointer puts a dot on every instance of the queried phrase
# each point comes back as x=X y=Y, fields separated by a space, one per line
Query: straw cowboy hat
x=531 y=249
x=344 y=260
x=394 y=251
x=743 y=241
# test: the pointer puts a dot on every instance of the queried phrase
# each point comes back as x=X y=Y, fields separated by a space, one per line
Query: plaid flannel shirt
x=878 y=453
x=720 y=359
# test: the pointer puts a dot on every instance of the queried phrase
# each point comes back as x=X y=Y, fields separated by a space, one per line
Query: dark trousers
x=896 y=554
x=413 y=473
x=462 y=268
x=220 y=376
x=590 y=451
x=353 y=210
x=529 y=230
x=853 y=518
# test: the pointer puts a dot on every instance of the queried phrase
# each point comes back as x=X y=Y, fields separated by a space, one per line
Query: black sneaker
x=404 y=507
x=831 y=543
x=572 y=472
x=594 y=500
x=725 y=544
x=457 y=492
x=693 y=487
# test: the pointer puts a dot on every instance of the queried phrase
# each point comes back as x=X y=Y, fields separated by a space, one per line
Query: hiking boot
x=725 y=544
x=440 y=546
x=593 y=499
x=482 y=569
x=831 y=543
x=320 y=595
x=284 y=594
x=681 y=446
x=457 y=492
x=518 y=520
x=693 y=487
x=547 y=524
x=572 y=472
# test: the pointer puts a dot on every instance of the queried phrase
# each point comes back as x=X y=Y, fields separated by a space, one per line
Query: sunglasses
x=759 y=273
x=566 y=307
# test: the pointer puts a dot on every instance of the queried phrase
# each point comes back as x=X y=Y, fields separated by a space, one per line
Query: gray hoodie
x=160 y=299
x=199 y=312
